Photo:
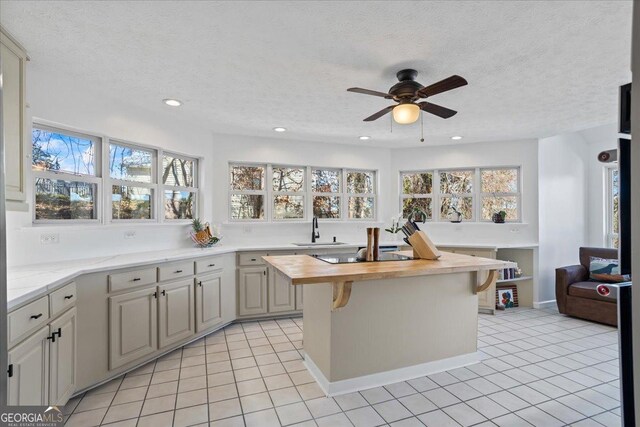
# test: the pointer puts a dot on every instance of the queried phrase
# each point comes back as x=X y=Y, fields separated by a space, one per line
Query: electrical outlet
x=246 y=229
x=515 y=229
x=49 y=238
x=131 y=234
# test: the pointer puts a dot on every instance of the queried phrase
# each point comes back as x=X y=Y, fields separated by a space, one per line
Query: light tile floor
x=539 y=368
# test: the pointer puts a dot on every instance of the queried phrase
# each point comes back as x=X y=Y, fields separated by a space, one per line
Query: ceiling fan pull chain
x=421 y=127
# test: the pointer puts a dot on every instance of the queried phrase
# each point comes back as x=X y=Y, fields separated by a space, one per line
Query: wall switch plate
x=49 y=238
x=131 y=234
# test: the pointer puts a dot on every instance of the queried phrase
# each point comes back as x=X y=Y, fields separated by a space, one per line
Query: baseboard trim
x=389 y=377
x=545 y=304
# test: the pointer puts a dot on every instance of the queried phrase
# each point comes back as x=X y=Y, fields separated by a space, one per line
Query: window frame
x=268 y=193
x=95 y=179
x=473 y=194
x=263 y=193
x=609 y=234
x=476 y=195
x=273 y=193
x=110 y=182
x=431 y=195
x=348 y=195
x=517 y=194
x=162 y=187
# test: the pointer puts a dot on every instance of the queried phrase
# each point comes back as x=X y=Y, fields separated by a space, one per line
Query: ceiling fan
x=407 y=92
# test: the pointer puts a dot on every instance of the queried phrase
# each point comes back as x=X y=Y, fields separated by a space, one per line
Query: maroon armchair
x=577 y=296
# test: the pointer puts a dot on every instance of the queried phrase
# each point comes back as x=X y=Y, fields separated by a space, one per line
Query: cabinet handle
x=200 y=283
x=178 y=271
x=10 y=370
x=68 y=296
x=36 y=316
x=58 y=332
x=264 y=272
x=164 y=292
x=155 y=295
x=253 y=259
x=212 y=265
x=136 y=279
x=52 y=337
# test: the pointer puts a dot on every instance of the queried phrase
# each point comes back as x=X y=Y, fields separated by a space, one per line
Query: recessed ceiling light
x=172 y=102
x=456 y=138
x=280 y=129
x=365 y=138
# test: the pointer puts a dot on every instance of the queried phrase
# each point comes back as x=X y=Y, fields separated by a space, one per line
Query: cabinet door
x=133 y=326
x=13 y=115
x=208 y=302
x=62 y=359
x=282 y=295
x=299 y=297
x=252 y=291
x=29 y=370
x=176 y=316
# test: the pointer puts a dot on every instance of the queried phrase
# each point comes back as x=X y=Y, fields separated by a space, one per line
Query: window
x=247 y=192
x=131 y=174
x=361 y=194
x=283 y=193
x=179 y=183
x=416 y=193
x=612 y=216
x=66 y=170
x=498 y=189
x=500 y=192
x=288 y=192
x=456 y=194
x=326 y=187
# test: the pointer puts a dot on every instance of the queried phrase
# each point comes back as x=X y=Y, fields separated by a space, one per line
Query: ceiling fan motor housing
x=407 y=87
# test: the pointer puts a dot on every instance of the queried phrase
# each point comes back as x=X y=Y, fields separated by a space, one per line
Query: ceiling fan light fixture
x=406 y=114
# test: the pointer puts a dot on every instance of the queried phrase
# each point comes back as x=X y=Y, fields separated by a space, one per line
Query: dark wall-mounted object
x=624 y=171
x=625 y=108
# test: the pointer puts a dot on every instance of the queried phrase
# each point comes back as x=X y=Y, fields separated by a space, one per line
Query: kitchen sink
x=320 y=244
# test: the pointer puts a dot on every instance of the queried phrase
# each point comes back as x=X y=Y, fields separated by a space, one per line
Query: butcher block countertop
x=303 y=269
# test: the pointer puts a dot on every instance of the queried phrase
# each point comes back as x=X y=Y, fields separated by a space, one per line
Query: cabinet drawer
x=175 y=270
x=62 y=298
x=27 y=319
x=251 y=258
x=206 y=265
x=131 y=279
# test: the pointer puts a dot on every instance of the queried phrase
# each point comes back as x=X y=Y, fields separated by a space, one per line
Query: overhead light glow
x=365 y=138
x=172 y=102
x=456 y=138
x=280 y=129
x=405 y=114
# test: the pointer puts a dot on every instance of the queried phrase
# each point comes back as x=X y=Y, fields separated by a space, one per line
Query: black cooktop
x=352 y=258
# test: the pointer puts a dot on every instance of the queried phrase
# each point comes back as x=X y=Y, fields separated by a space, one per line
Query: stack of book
x=509 y=272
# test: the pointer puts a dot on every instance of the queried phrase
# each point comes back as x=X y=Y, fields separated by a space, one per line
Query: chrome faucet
x=315 y=234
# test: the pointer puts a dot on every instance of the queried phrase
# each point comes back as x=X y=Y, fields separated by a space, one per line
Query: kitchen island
x=373 y=323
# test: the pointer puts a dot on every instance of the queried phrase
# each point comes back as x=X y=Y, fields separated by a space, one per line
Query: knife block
x=423 y=247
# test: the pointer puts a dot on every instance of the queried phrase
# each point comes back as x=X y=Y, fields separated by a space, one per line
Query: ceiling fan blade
x=438 y=110
x=442 y=86
x=369 y=92
x=379 y=114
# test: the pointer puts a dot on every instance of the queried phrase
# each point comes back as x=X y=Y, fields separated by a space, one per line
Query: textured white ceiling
x=534 y=68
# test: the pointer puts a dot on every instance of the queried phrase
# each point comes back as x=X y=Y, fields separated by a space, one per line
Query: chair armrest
x=565 y=276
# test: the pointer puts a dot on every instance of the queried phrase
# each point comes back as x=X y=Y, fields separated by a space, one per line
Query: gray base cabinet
x=252 y=291
x=282 y=296
x=133 y=326
x=208 y=301
x=62 y=358
x=176 y=312
x=29 y=370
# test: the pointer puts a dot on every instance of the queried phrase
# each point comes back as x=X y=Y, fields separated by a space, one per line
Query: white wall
x=563 y=167
x=503 y=153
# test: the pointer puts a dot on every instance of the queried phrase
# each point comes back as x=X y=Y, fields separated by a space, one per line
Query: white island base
x=391 y=330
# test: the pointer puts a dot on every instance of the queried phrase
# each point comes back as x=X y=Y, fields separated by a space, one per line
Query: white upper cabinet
x=13 y=124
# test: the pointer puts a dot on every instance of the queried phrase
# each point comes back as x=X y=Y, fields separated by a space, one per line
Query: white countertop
x=25 y=283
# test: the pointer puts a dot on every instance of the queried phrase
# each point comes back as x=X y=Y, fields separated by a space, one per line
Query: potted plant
x=499 y=217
